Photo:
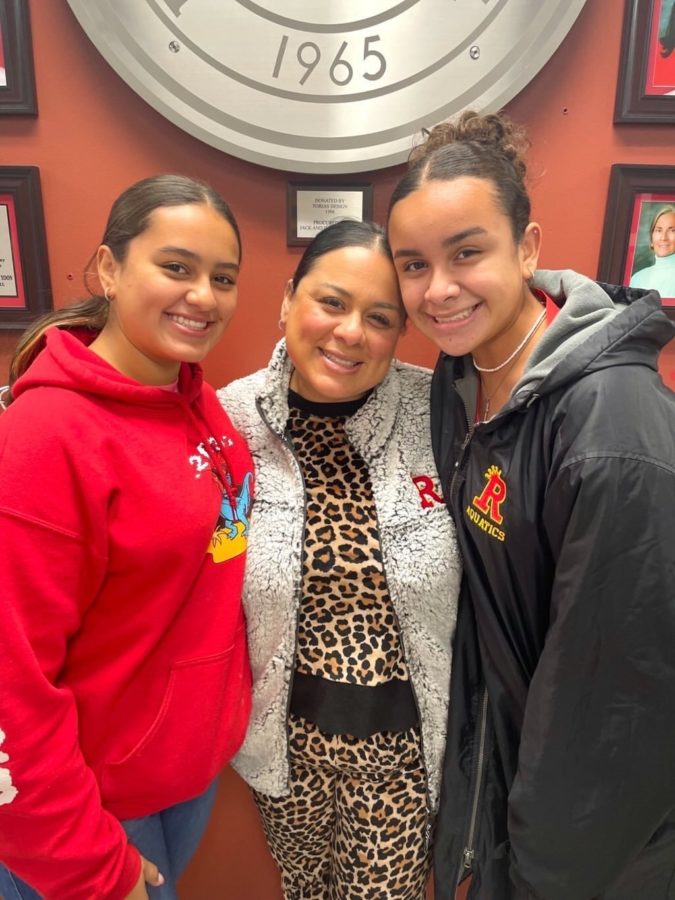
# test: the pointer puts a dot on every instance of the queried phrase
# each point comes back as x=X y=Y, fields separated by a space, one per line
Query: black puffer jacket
x=559 y=779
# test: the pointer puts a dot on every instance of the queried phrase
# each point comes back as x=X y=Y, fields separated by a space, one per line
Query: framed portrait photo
x=17 y=77
x=646 y=87
x=25 y=290
x=638 y=239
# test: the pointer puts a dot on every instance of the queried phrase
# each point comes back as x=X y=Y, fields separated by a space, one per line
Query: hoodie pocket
x=198 y=727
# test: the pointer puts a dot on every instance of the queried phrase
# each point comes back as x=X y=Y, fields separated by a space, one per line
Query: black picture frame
x=22 y=229
x=640 y=45
x=635 y=194
x=337 y=194
x=17 y=94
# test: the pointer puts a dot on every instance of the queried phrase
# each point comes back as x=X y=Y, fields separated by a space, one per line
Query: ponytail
x=91 y=313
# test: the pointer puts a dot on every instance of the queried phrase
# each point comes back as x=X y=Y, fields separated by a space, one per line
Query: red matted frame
x=17 y=84
x=25 y=290
x=635 y=195
x=646 y=89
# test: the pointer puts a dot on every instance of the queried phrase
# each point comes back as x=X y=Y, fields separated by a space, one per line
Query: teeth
x=456 y=318
x=341 y=362
x=195 y=324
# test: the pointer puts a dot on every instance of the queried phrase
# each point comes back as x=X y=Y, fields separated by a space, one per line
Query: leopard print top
x=347 y=628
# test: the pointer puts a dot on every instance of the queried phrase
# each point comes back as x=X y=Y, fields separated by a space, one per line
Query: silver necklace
x=517 y=350
x=488 y=400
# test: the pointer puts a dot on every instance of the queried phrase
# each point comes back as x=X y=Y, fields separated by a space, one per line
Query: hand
x=150 y=874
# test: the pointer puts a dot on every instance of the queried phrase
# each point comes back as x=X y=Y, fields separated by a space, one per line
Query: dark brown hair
x=129 y=217
x=341 y=234
x=489 y=146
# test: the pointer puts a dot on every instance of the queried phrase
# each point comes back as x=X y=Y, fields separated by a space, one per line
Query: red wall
x=93 y=136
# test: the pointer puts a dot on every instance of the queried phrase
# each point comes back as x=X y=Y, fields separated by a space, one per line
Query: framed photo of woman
x=638 y=239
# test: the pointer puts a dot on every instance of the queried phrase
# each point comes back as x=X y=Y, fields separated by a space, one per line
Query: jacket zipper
x=458 y=463
x=468 y=853
x=427 y=824
x=298 y=591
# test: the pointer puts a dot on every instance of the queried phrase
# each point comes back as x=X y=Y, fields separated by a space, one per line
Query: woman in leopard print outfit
x=351 y=584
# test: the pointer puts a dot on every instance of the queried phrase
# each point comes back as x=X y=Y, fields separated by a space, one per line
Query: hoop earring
x=108 y=295
x=282 y=325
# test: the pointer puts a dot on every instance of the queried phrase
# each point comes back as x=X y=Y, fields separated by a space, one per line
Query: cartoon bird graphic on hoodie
x=231 y=535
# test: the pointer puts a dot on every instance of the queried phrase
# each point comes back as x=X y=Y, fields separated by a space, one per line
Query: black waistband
x=337 y=707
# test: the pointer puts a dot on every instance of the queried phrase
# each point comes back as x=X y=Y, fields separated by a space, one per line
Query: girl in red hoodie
x=124 y=501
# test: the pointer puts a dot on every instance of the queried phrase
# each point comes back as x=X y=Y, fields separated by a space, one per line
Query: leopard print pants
x=355 y=825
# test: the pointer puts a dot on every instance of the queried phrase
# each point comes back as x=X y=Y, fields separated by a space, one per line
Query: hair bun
x=493 y=130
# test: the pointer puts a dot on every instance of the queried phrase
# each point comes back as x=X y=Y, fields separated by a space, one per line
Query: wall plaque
x=319 y=86
x=311 y=207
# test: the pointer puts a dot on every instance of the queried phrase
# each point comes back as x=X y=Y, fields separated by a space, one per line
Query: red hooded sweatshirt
x=124 y=677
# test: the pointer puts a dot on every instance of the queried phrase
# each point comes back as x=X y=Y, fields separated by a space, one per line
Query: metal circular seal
x=316 y=86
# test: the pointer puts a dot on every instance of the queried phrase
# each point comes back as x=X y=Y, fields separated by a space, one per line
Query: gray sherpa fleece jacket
x=392 y=433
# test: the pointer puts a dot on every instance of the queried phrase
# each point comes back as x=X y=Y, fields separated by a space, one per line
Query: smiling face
x=663 y=234
x=462 y=274
x=342 y=323
x=172 y=295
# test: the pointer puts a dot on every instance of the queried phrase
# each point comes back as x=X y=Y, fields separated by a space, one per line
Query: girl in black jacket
x=555 y=439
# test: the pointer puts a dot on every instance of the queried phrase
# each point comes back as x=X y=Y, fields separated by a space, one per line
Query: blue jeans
x=167 y=838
